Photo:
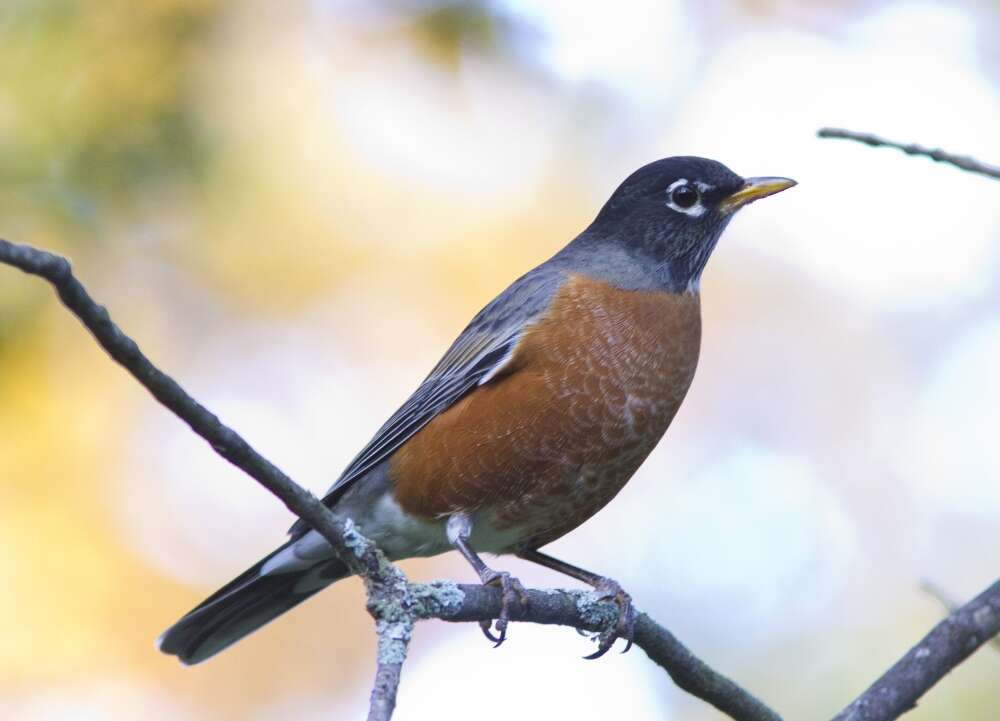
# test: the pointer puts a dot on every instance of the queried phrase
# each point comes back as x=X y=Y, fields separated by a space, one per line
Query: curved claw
x=625 y=625
x=601 y=650
x=496 y=640
x=511 y=591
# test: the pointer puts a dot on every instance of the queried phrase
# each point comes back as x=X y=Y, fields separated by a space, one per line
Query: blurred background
x=294 y=207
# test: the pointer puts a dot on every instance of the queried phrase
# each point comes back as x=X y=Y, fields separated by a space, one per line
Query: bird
x=533 y=420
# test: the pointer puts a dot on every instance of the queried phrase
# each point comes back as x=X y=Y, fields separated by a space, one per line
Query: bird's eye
x=684 y=196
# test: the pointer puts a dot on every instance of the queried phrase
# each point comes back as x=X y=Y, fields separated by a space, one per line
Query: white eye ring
x=696 y=210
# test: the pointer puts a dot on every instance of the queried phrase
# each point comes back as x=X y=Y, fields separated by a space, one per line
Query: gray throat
x=637 y=266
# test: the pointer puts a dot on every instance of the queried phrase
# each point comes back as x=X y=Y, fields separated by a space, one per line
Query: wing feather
x=476 y=357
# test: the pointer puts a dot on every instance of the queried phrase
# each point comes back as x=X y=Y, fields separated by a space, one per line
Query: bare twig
x=360 y=555
x=382 y=703
x=959 y=161
x=585 y=610
x=948 y=601
x=947 y=645
x=225 y=441
x=395 y=603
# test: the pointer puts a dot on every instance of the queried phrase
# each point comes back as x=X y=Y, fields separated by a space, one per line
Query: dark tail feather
x=242 y=606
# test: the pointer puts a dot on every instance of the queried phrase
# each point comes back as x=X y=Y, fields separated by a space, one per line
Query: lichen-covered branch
x=586 y=611
x=360 y=554
x=964 y=162
x=394 y=603
x=947 y=645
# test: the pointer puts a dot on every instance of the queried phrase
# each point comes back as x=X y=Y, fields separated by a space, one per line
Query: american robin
x=533 y=420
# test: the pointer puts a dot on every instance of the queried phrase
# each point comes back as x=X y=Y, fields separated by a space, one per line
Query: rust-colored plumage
x=588 y=392
x=534 y=418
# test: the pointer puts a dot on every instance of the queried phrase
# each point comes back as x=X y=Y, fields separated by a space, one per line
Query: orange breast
x=590 y=389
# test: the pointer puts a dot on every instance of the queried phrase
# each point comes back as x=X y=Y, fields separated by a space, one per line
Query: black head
x=672 y=212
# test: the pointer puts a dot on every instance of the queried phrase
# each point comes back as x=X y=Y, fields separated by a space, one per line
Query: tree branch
x=382 y=579
x=587 y=611
x=947 y=645
x=396 y=604
x=393 y=602
x=949 y=603
x=225 y=441
x=964 y=162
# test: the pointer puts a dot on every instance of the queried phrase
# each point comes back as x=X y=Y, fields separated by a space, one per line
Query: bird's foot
x=624 y=627
x=511 y=592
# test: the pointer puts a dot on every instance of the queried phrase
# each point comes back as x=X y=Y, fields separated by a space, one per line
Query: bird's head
x=673 y=211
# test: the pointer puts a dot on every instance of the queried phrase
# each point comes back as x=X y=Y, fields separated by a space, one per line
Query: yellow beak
x=754 y=189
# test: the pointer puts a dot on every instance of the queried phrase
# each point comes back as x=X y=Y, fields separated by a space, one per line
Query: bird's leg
x=606 y=587
x=459 y=529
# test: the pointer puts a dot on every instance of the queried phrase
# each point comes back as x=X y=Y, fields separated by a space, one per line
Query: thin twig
x=225 y=441
x=397 y=604
x=586 y=611
x=947 y=645
x=394 y=602
x=391 y=603
x=382 y=703
x=360 y=555
x=964 y=162
x=950 y=604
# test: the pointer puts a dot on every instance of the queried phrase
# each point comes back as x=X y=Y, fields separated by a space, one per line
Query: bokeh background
x=295 y=206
